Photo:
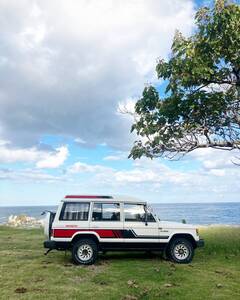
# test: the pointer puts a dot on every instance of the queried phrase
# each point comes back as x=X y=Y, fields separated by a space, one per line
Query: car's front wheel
x=180 y=250
x=84 y=252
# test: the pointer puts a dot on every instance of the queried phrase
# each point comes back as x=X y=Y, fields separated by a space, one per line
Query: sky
x=67 y=67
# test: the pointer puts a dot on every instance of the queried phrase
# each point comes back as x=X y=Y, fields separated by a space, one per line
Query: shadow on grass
x=110 y=256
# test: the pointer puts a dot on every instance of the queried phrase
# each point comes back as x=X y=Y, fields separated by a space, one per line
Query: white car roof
x=99 y=198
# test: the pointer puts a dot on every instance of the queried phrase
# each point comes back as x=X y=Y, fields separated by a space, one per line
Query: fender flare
x=88 y=233
x=187 y=236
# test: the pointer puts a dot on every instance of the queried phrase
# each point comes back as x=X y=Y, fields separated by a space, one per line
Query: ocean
x=194 y=213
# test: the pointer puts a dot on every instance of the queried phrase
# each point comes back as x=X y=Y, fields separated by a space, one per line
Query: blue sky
x=68 y=69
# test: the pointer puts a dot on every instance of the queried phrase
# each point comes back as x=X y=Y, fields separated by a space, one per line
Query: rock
x=24 y=221
x=167 y=285
x=130 y=282
x=219 y=285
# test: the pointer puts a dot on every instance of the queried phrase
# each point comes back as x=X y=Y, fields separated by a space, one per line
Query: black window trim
x=73 y=202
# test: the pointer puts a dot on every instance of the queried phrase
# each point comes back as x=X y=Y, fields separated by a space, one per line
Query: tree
x=201 y=105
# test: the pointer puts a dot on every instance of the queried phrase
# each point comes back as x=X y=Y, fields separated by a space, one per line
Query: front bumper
x=200 y=243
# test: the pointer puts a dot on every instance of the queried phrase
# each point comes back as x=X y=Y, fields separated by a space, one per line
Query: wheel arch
x=186 y=236
x=83 y=235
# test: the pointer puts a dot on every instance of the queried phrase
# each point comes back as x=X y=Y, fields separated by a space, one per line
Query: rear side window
x=74 y=211
x=106 y=212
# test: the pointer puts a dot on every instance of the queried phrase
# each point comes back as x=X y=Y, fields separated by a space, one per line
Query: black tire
x=84 y=258
x=180 y=250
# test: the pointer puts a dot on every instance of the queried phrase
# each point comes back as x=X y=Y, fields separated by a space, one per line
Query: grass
x=25 y=273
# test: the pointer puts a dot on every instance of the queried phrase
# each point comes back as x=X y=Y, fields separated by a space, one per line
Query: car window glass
x=136 y=213
x=74 y=211
x=106 y=212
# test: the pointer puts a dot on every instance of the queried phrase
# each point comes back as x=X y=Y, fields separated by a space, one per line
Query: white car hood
x=167 y=224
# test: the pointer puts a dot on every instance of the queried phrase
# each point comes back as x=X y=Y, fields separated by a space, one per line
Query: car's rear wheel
x=84 y=252
x=180 y=250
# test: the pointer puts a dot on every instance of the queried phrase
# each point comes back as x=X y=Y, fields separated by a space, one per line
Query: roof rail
x=87 y=197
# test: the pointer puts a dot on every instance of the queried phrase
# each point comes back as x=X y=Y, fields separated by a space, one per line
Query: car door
x=107 y=221
x=136 y=229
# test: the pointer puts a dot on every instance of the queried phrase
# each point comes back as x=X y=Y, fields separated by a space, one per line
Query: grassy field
x=25 y=273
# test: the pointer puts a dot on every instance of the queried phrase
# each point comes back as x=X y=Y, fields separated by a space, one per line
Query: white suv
x=89 y=224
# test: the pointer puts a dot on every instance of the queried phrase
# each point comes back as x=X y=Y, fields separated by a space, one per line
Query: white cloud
x=112 y=157
x=215 y=159
x=79 y=141
x=71 y=62
x=29 y=175
x=12 y=155
x=54 y=160
x=42 y=158
x=117 y=156
x=154 y=172
x=80 y=167
x=217 y=172
x=146 y=178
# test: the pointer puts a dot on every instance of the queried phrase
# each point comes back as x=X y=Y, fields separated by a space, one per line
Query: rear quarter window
x=75 y=211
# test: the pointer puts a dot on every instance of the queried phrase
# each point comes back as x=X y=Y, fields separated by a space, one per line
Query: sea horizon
x=207 y=213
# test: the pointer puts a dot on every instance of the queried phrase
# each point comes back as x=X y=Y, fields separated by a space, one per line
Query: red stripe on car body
x=68 y=233
x=119 y=233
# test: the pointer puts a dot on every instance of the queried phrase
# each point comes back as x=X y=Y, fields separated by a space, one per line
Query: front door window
x=136 y=213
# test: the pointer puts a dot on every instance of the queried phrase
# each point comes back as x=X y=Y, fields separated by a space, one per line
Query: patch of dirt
x=103 y=263
x=21 y=290
x=95 y=269
x=223 y=272
x=47 y=262
x=68 y=265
